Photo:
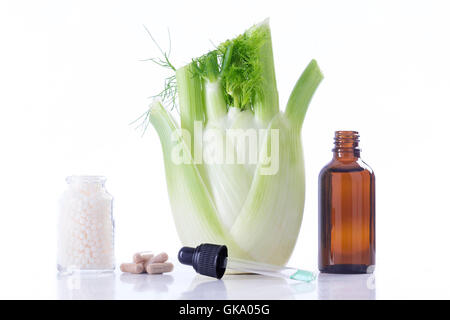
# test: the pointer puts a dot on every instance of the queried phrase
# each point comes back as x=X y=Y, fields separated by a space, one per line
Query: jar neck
x=86 y=183
x=346 y=145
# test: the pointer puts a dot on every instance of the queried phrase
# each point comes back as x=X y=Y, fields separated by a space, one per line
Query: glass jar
x=346 y=210
x=85 y=226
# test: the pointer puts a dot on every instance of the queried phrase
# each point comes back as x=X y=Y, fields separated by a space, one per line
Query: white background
x=71 y=80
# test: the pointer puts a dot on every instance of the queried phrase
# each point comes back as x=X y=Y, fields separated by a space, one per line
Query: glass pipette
x=212 y=260
x=269 y=270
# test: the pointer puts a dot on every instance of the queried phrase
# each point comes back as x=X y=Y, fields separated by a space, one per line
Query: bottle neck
x=346 y=145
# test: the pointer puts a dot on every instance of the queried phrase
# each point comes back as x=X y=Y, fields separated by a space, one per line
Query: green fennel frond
x=236 y=62
x=241 y=68
x=168 y=95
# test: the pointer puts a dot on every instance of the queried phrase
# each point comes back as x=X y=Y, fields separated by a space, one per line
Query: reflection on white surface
x=303 y=290
x=144 y=282
x=183 y=283
x=360 y=286
x=86 y=286
x=202 y=288
x=246 y=287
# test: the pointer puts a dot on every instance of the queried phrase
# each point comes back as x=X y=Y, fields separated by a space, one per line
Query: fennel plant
x=256 y=212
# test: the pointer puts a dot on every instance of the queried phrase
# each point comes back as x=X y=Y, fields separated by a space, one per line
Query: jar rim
x=85 y=179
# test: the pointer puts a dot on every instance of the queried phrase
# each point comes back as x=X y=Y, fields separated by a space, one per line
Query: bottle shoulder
x=366 y=167
x=337 y=165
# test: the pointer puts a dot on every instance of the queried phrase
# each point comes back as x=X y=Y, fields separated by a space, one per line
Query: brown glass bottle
x=346 y=210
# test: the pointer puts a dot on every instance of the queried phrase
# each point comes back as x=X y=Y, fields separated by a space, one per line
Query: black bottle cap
x=207 y=259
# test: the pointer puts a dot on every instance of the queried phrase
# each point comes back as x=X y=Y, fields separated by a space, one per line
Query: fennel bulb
x=235 y=171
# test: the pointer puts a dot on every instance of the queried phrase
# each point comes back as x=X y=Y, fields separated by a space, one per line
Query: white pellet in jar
x=85 y=226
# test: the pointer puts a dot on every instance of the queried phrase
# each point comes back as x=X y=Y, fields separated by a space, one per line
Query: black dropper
x=207 y=259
